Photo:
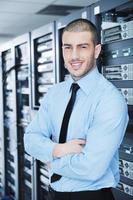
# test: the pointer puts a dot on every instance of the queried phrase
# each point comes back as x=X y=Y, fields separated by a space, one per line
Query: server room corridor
x=31 y=63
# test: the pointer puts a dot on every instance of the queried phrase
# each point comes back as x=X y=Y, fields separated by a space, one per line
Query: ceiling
x=21 y=16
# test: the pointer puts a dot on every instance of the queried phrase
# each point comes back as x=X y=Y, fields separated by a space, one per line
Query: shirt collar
x=88 y=82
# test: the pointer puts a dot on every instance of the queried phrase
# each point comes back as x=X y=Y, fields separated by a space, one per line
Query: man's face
x=79 y=53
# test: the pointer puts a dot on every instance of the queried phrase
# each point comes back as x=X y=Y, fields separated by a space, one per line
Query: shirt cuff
x=50 y=146
x=58 y=164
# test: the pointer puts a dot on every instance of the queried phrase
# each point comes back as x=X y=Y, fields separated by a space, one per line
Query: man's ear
x=97 y=50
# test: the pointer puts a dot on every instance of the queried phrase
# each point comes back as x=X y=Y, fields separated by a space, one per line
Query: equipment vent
x=58 y=10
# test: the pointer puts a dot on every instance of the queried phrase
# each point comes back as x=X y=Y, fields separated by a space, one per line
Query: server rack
x=1 y=138
x=9 y=133
x=43 y=77
x=2 y=156
x=43 y=61
x=115 y=21
x=21 y=52
x=15 y=75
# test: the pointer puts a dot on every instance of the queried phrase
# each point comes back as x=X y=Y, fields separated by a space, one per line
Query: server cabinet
x=2 y=152
x=9 y=133
x=115 y=23
x=43 y=77
x=21 y=59
x=1 y=138
x=62 y=72
x=43 y=62
x=17 y=165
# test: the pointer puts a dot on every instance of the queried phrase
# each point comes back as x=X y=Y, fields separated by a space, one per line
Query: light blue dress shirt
x=99 y=116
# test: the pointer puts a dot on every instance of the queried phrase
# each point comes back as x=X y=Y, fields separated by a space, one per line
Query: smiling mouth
x=76 y=65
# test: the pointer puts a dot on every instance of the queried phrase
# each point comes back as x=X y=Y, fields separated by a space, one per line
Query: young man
x=83 y=153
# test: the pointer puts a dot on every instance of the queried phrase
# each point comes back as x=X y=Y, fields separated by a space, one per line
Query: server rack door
x=43 y=62
x=2 y=171
x=61 y=71
x=116 y=29
x=43 y=77
x=21 y=48
x=9 y=125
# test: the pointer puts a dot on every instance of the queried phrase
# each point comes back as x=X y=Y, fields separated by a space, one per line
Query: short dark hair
x=80 y=25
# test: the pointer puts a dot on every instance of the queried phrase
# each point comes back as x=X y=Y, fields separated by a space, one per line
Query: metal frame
x=2 y=157
x=40 y=32
x=26 y=38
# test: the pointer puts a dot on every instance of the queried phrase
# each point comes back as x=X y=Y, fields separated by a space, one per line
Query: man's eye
x=67 y=47
x=84 y=47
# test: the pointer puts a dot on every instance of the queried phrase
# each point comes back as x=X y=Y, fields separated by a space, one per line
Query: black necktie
x=65 y=121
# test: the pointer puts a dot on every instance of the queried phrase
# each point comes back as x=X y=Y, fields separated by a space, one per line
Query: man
x=84 y=163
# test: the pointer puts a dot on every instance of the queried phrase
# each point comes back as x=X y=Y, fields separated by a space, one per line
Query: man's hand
x=70 y=147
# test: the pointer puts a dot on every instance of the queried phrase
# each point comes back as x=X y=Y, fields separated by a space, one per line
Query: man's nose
x=75 y=53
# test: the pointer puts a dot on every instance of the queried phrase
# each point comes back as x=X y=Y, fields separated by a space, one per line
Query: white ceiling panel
x=20 y=7
x=32 y=22
x=4 y=40
x=16 y=18
x=10 y=17
x=18 y=30
x=31 y=1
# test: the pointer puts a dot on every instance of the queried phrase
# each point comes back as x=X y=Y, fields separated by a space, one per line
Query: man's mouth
x=76 y=65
